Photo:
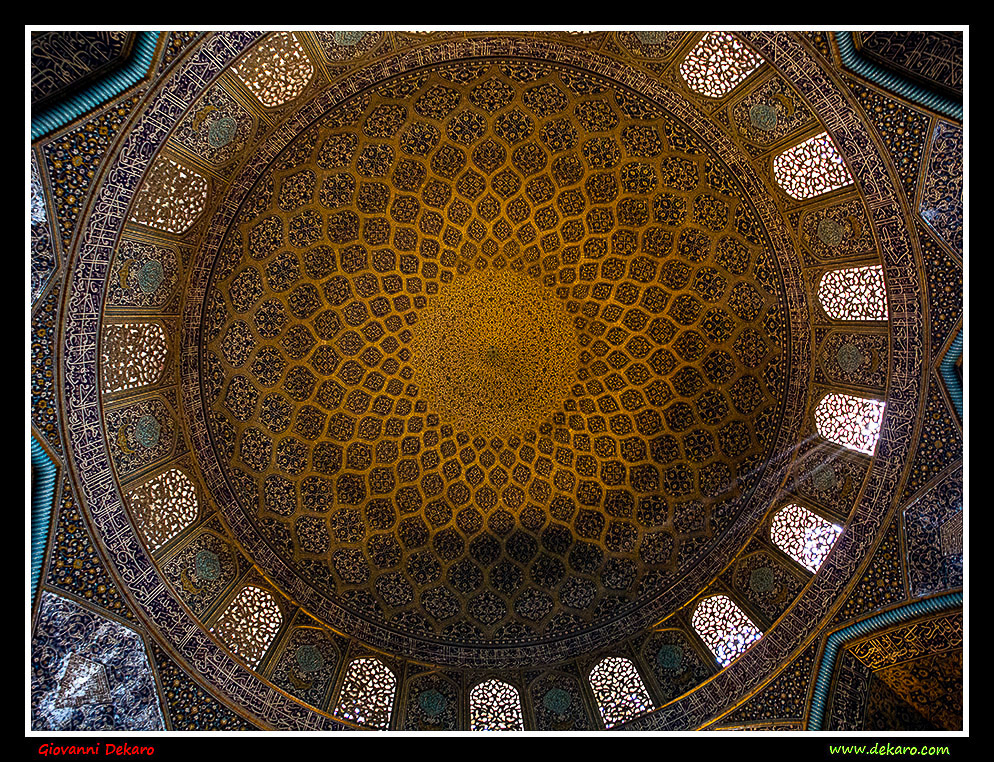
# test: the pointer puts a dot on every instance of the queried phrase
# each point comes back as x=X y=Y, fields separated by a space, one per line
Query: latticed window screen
x=717 y=64
x=853 y=422
x=494 y=705
x=132 y=355
x=171 y=198
x=854 y=293
x=724 y=627
x=164 y=506
x=250 y=623
x=619 y=690
x=367 y=694
x=276 y=71
x=803 y=535
x=811 y=168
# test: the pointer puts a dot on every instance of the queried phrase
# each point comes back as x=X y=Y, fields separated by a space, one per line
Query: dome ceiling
x=484 y=354
x=493 y=354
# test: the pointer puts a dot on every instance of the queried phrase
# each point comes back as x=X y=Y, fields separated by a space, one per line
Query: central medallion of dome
x=495 y=353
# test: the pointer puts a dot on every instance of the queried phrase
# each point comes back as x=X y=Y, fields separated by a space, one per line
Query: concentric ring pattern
x=493 y=352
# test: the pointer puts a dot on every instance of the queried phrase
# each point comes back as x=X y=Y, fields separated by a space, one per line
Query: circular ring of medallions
x=102 y=481
x=492 y=356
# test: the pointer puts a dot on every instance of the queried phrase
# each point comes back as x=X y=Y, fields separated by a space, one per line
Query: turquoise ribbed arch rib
x=839 y=638
x=854 y=62
x=947 y=369
x=43 y=472
x=99 y=92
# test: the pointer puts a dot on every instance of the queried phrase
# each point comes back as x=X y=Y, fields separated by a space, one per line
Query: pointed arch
x=495 y=705
x=367 y=694
x=718 y=64
x=620 y=692
x=250 y=623
x=853 y=422
x=811 y=168
x=803 y=535
x=725 y=628
x=164 y=506
x=854 y=293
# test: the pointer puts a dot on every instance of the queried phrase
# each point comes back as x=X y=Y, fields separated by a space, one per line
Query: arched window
x=803 y=535
x=494 y=705
x=619 y=690
x=171 y=199
x=164 y=506
x=367 y=694
x=250 y=623
x=276 y=71
x=854 y=293
x=717 y=64
x=852 y=422
x=811 y=168
x=724 y=628
x=132 y=355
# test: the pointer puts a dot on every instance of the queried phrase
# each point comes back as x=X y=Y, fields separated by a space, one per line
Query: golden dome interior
x=513 y=380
